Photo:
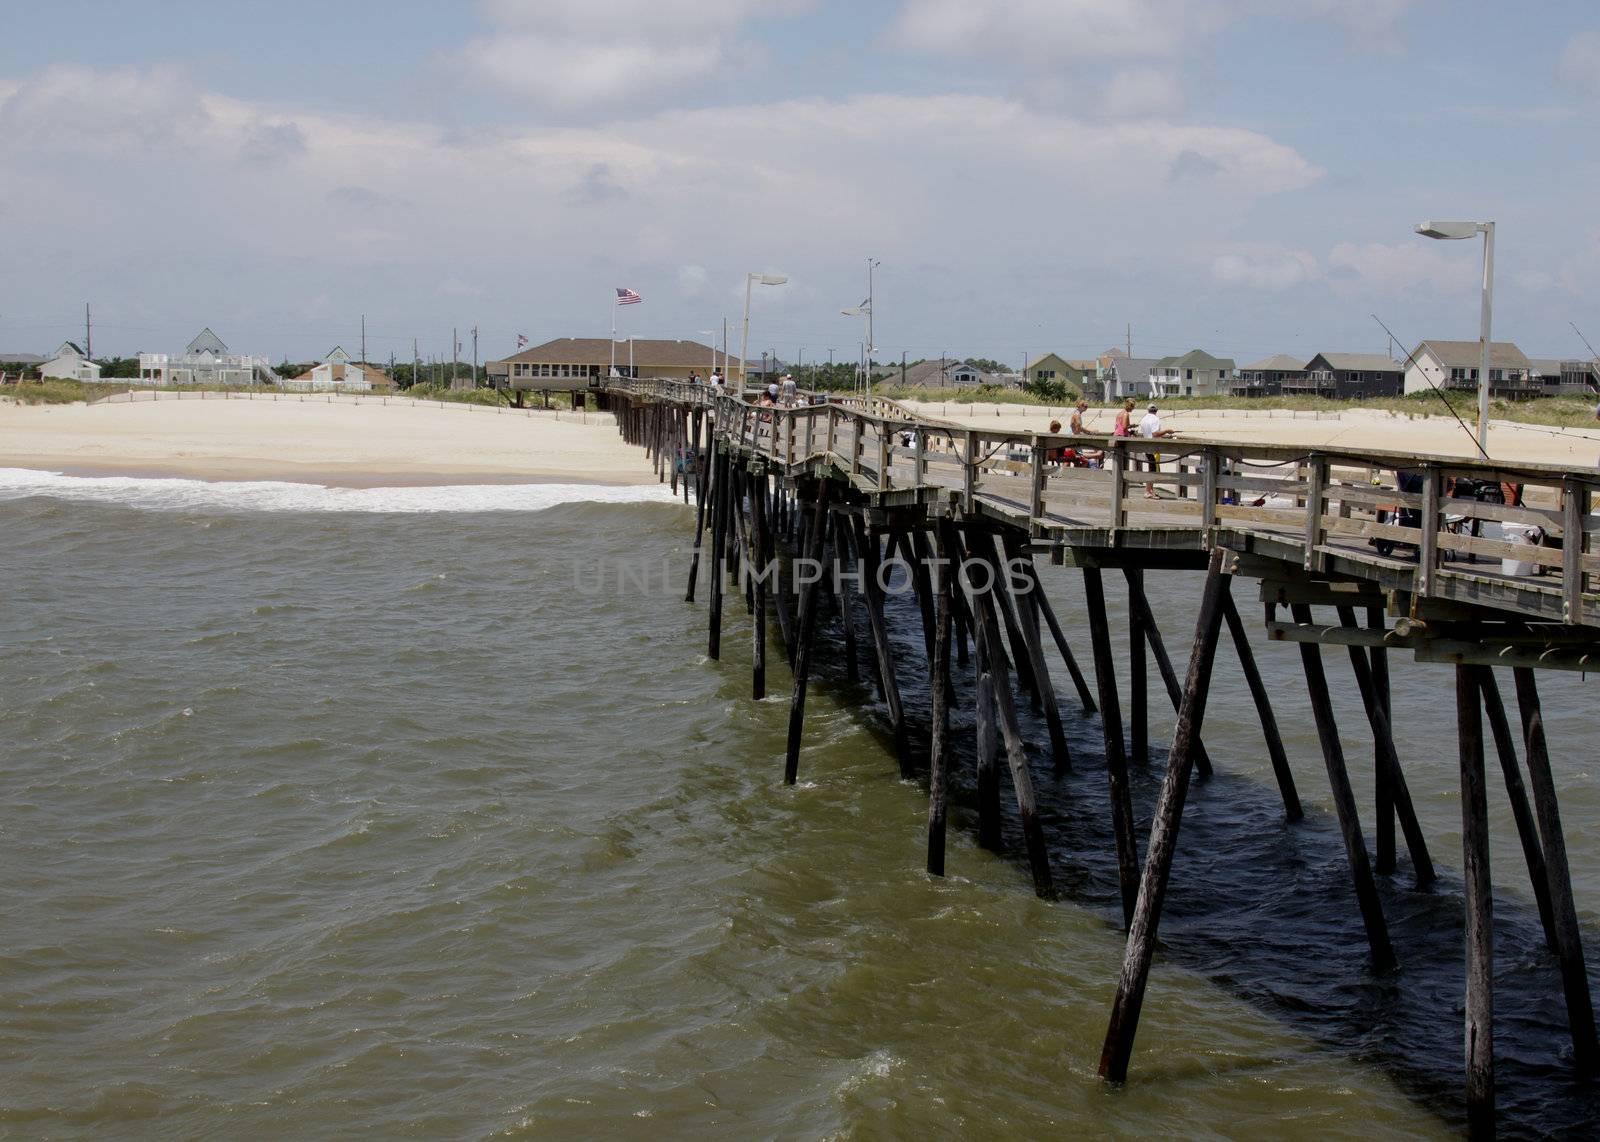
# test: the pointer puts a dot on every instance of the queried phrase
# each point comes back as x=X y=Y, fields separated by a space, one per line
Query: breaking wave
x=155 y=494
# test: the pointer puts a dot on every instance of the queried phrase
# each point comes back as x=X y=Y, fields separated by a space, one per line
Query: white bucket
x=1521 y=534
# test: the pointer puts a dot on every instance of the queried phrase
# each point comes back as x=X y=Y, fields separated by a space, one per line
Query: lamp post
x=711 y=335
x=1455 y=231
x=744 y=338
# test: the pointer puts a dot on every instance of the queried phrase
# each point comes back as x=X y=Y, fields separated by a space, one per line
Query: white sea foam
x=284 y=496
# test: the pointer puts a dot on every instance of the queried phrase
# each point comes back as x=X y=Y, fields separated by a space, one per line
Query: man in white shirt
x=1150 y=428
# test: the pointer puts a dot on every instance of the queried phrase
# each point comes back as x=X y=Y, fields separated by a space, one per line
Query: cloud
x=1397 y=268
x=1043 y=33
x=1269 y=270
x=266 y=144
x=1143 y=92
x=112 y=111
x=1579 y=66
x=597 y=185
x=692 y=280
x=575 y=54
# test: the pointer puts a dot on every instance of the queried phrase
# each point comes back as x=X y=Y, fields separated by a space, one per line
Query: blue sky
x=1238 y=175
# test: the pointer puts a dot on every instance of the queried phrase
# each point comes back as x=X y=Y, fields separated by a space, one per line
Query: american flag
x=522 y=340
x=627 y=297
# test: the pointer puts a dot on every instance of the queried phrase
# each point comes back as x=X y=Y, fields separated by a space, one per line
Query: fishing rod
x=1410 y=360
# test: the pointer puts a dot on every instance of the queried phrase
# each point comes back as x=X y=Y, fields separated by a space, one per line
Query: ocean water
x=421 y=812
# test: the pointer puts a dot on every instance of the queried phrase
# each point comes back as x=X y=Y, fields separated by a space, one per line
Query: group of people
x=715 y=384
x=1148 y=426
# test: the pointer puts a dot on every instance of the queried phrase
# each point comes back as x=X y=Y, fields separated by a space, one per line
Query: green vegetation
x=460 y=396
x=57 y=392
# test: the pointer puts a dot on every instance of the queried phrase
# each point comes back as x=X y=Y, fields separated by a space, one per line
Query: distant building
x=940 y=374
x=69 y=364
x=1454 y=365
x=1127 y=377
x=1351 y=376
x=205 y=361
x=1195 y=374
x=1052 y=368
x=1267 y=377
x=337 y=373
x=1566 y=377
x=580 y=362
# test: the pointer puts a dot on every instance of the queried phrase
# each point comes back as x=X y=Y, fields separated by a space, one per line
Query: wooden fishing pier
x=813 y=505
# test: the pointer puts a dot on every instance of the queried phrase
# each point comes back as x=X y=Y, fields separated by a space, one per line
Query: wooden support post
x=1138 y=669
x=940 y=691
x=699 y=530
x=847 y=606
x=1383 y=795
x=963 y=620
x=1111 y=726
x=1016 y=757
x=867 y=547
x=1574 y=509
x=1269 y=722
x=1569 y=944
x=1344 y=800
x=1383 y=742
x=988 y=748
x=1124 y=1024
x=1479 y=1030
x=719 y=530
x=1169 y=677
x=913 y=551
x=986 y=550
x=741 y=549
x=1517 y=793
x=1023 y=598
x=762 y=569
x=807 y=636
x=1085 y=697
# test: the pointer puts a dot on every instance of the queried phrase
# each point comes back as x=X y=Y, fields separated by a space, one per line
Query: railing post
x=774 y=449
x=1211 y=469
x=969 y=472
x=1036 y=485
x=856 y=444
x=1316 y=500
x=883 y=459
x=832 y=427
x=1119 y=473
x=1574 y=508
x=1428 y=548
x=922 y=458
x=788 y=442
x=811 y=424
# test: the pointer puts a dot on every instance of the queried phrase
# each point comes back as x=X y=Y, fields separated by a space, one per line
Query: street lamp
x=744 y=338
x=1455 y=231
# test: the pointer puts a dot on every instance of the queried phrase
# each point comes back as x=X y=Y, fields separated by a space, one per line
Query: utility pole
x=363 y=339
x=416 y=364
x=1130 y=340
x=474 y=356
x=88 y=333
x=455 y=354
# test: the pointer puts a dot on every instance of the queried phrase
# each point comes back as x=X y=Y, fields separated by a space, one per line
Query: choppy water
x=366 y=818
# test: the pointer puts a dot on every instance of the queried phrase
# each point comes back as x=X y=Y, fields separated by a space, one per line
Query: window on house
x=1188 y=374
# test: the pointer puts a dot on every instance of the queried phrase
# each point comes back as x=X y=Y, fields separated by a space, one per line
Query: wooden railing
x=1393 y=512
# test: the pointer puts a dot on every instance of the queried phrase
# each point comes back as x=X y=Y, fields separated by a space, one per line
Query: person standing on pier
x=1124 y=425
x=1150 y=428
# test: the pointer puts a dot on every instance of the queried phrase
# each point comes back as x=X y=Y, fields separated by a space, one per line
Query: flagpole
x=613 y=371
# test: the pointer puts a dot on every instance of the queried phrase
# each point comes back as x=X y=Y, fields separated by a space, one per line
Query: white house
x=69 y=364
x=337 y=373
x=205 y=361
x=1454 y=365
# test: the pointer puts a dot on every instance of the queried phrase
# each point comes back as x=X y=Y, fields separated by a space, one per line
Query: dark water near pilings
x=317 y=822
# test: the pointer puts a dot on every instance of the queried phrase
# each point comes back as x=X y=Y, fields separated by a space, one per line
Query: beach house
x=1053 y=368
x=338 y=373
x=205 y=361
x=1349 y=376
x=1454 y=365
x=1195 y=374
x=69 y=364
x=579 y=362
x=942 y=373
x=1268 y=376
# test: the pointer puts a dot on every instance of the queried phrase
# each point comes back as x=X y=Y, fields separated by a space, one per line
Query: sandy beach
x=349 y=443
x=1356 y=429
